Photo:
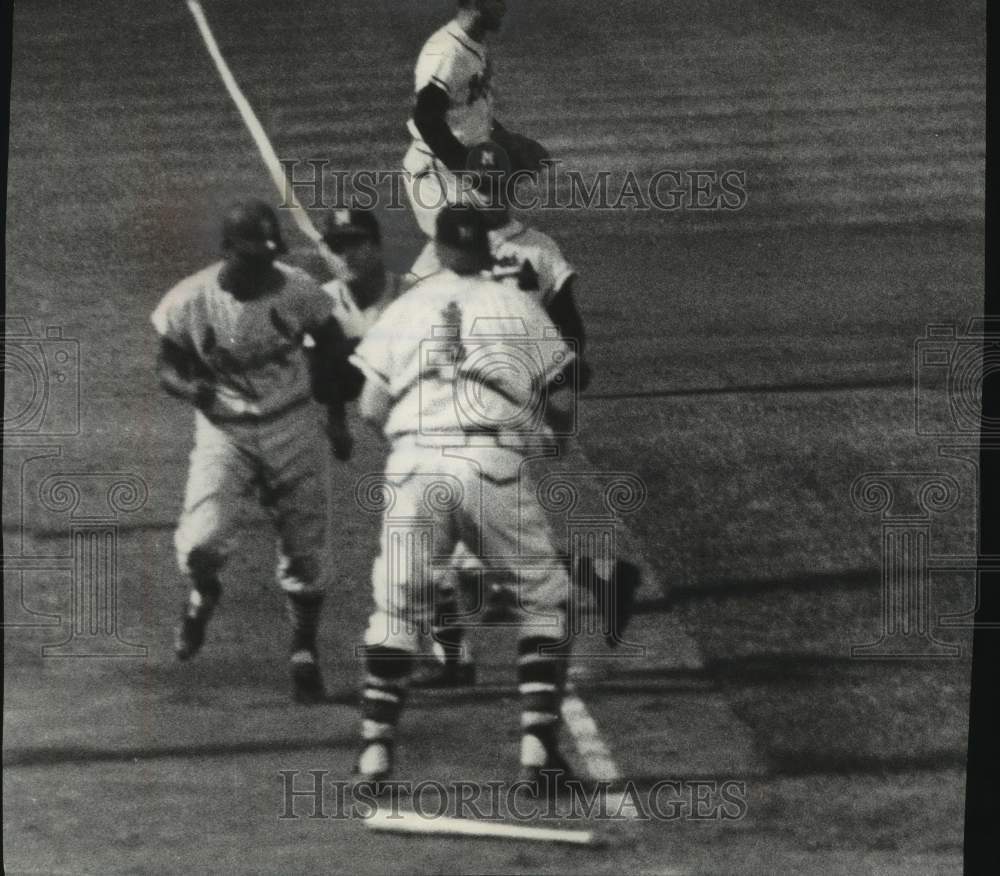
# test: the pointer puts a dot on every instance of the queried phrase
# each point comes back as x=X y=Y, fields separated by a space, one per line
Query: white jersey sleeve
x=529 y=260
x=461 y=68
x=172 y=317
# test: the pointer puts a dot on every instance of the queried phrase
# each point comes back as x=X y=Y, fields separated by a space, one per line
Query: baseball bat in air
x=299 y=214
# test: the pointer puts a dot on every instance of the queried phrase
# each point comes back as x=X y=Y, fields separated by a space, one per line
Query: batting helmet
x=251 y=228
x=350 y=226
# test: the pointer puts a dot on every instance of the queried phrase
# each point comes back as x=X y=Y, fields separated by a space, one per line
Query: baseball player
x=522 y=256
x=532 y=262
x=233 y=344
x=360 y=299
x=359 y=290
x=453 y=112
x=462 y=469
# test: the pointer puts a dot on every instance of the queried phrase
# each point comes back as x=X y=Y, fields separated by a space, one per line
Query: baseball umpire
x=476 y=456
x=252 y=344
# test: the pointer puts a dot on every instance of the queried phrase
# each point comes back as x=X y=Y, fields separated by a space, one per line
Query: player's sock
x=202 y=600
x=448 y=644
x=541 y=676
x=382 y=701
x=304 y=614
x=204 y=596
x=447 y=636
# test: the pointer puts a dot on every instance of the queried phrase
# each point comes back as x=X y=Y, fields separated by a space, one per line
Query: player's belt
x=255 y=418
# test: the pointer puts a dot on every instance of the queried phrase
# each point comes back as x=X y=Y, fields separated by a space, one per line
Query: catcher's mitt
x=526 y=154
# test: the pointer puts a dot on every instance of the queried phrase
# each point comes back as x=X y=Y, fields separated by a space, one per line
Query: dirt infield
x=750 y=365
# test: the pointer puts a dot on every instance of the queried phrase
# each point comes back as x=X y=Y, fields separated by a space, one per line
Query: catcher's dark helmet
x=251 y=228
x=464 y=228
x=489 y=157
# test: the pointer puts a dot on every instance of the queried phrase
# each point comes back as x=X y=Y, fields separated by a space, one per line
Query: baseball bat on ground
x=299 y=214
x=412 y=823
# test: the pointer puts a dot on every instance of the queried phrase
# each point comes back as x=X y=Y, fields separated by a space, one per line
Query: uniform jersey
x=464 y=355
x=353 y=320
x=254 y=348
x=461 y=68
x=523 y=257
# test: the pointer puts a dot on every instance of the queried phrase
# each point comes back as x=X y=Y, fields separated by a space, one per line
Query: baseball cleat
x=551 y=780
x=615 y=598
x=190 y=634
x=307 y=682
x=375 y=763
x=445 y=675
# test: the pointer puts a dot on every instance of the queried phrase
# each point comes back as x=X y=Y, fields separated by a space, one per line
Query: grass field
x=749 y=367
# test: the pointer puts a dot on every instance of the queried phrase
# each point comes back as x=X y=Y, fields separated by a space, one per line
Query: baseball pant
x=430 y=186
x=485 y=501
x=284 y=463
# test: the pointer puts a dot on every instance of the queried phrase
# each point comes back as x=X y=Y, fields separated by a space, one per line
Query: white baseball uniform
x=264 y=433
x=523 y=257
x=462 y=69
x=462 y=360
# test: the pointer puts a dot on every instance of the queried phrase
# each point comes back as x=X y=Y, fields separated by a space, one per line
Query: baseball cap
x=463 y=227
x=355 y=224
x=489 y=157
x=251 y=228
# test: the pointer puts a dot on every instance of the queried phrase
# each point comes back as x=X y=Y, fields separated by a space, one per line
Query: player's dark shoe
x=615 y=598
x=500 y=604
x=190 y=633
x=307 y=682
x=542 y=765
x=552 y=780
x=445 y=675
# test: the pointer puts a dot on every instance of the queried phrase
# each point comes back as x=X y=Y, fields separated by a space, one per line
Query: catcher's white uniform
x=462 y=69
x=263 y=434
x=460 y=361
